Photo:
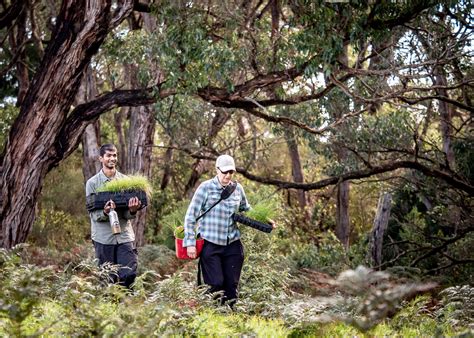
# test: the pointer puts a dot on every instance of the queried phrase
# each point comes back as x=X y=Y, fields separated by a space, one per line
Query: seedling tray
x=98 y=200
x=252 y=223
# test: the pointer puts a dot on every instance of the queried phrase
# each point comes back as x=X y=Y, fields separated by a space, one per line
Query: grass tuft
x=262 y=212
x=129 y=183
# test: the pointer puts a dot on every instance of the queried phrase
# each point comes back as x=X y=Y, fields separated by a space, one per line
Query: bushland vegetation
x=350 y=121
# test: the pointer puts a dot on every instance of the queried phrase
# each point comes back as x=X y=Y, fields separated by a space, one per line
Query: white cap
x=225 y=163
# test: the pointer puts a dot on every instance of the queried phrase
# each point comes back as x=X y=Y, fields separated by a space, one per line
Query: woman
x=222 y=255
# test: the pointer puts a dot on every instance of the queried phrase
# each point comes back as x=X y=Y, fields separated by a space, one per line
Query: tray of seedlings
x=120 y=191
x=258 y=217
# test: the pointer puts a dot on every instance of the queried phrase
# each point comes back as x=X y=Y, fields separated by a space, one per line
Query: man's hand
x=134 y=204
x=191 y=251
x=109 y=205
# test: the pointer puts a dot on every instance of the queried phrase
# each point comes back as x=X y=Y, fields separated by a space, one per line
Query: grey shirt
x=100 y=226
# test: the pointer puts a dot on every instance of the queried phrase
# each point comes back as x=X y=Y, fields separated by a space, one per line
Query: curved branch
x=121 y=12
x=449 y=179
x=300 y=125
x=88 y=112
x=239 y=98
x=11 y=13
x=437 y=249
x=437 y=97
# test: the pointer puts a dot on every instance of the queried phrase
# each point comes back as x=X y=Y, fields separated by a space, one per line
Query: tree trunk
x=342 y=213
x=36 y=142
x=446 y=114
x=378 y=230
x=90 y=151
x=120 y=118
x=340 y=107
x=90 y=138
x=296 y=170
x=167 y=172
x=199 y=167
x=142 y=131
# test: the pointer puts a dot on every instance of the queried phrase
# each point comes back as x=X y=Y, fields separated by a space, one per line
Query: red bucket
x=182 y=253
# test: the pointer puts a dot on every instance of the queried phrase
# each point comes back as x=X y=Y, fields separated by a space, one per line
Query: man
x=118 y=249
x=222 y=255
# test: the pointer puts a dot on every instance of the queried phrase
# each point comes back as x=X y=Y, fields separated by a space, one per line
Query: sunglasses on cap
x=227 y=172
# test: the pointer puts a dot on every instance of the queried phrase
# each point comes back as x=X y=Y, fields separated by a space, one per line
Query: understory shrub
x=327 y=255
x=170 y=222
x=59 y=230
x=265 y=280
x=157 y=258
x=50 y=256
x=458 y=306
x=78 y=301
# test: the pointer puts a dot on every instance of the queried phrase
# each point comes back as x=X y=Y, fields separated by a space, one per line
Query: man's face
x=109 y=160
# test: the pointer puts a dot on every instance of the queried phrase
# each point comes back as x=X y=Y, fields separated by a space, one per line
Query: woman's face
x=225 y=177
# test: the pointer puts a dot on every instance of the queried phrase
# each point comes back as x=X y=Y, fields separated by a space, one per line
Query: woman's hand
x=191 y=250
x=272 y=223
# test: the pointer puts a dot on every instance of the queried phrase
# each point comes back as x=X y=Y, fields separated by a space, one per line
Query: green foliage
x=128 y=183
x=64 y=190
x=327 y=255
x=458 y=306
x=158 y=258
x=263 y=211
x=170 y=222
x=463 y=150
x=22 y=289
x=208 y=323
x=265 y=276
x=79 y=302
x=8 y=113
x=55 y=228
x=424 y=217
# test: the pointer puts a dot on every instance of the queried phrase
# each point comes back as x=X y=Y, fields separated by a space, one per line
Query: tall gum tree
x=36 y=141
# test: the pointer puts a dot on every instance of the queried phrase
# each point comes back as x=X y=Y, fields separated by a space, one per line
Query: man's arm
x=96 y=215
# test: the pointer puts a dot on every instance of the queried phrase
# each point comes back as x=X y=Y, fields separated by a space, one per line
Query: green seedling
x=129 y=183
x=262 y=212
x=179 y=232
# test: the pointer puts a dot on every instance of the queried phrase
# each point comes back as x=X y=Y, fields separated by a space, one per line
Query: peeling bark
x=380 y=225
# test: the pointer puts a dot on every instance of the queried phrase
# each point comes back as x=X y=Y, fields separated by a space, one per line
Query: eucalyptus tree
x=46 y=130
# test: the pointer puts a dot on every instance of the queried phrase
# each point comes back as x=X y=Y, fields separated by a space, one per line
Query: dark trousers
x=221 y=267
x=125 y=255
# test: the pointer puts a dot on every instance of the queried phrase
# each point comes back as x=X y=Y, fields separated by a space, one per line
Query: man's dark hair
x=107 y=147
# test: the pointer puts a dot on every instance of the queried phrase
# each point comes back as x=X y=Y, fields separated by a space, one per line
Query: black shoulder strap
x=225 y=194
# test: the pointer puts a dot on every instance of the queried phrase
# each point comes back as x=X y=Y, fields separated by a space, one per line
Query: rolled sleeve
x=244 y=203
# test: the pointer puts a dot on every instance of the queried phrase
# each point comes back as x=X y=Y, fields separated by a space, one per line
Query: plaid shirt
x=217 y=225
